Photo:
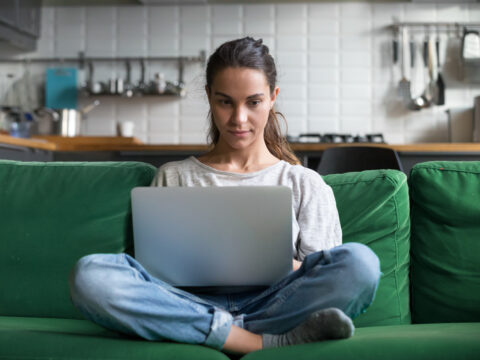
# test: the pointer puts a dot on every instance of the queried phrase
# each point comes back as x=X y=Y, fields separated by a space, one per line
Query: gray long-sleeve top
x=315 y=223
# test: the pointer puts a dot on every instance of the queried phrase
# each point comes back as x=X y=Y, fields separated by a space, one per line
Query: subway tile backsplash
x=334 y=63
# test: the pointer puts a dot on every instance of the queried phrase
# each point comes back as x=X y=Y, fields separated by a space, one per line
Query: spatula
x=440 y=99
x=404 y=84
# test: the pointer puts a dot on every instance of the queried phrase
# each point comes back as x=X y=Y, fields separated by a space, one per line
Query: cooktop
x=336 y=138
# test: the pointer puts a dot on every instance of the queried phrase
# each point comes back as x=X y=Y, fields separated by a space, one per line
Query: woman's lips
x=239 y=133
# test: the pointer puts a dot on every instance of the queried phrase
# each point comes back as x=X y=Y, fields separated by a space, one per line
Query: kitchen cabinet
x=8 y=10
x=29 y=17
x=23 y=153
x=20 y=22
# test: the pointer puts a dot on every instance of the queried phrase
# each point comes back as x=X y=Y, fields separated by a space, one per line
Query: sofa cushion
x=374 y=210
x=454 y=341
x=445 y=272
x=51 y=215
x=36 y=338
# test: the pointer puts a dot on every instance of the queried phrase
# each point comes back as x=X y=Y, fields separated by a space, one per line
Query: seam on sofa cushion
x=394 y=183
x=397 y=261
x=96 y=164
x=69 y=357
x=416 y=169
x=146 y=169
x=52 y=358
x=396 y=252
x=380 y=176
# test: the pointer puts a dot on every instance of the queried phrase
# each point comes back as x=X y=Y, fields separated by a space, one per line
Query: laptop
x=210 y=237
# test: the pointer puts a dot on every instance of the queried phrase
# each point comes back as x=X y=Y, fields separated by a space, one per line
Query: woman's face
x=240 y=102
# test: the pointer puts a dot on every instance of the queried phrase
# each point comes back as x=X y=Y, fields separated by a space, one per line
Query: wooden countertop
x=99 y=143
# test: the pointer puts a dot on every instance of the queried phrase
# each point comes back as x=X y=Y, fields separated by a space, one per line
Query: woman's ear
x=274 y=95
x=207 y=90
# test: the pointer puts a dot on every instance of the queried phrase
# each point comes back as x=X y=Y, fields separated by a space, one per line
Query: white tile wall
x=334 y=64
x=323 y=11
x=323 y=124
x=227 y=20
x=259 y=19
x=326 y=28
x=70 y=23
x=46 y=43
x=291 y=18
x=163 y=31
x=131 y=31
x=100 y=31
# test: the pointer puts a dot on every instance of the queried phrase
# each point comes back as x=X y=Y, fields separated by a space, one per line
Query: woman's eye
x=255 y=102
x=224 y=102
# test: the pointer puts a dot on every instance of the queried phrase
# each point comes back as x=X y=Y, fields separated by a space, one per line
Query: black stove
x=336 y=138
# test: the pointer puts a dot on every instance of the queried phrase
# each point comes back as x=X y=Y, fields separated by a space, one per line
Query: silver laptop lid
x=214 y=236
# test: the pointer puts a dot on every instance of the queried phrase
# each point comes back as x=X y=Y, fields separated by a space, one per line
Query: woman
x=331 y=283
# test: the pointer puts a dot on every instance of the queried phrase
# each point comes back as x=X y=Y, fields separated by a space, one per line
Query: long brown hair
x=250 y=53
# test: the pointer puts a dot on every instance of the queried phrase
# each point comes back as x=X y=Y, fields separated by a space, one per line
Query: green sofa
x=426 y=232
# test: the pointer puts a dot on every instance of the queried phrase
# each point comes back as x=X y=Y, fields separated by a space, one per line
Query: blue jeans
x=115 y=291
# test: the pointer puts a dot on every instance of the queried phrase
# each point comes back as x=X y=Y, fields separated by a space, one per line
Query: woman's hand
x=296 y=265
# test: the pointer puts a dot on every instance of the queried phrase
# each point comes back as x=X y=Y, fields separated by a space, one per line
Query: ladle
x=424 y=100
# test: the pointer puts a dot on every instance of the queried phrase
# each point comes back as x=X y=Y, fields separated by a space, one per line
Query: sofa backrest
x=445 y=241
x=374 y=210
x=51 y=214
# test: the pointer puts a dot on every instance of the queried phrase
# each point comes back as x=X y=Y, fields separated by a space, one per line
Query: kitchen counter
x=79 y=143
x=109 y=148
x=99 y=143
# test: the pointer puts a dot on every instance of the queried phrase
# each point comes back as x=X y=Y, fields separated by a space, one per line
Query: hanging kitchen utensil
x=413 y=104
x=404 y=85
x=423 y=101
x=432 y=70
x=440 y=100
x=93 y=87
x=142 y=87
x=470 y=44
x=128 y=86
x=427 y=95
x=412 y=54
x=395 y=58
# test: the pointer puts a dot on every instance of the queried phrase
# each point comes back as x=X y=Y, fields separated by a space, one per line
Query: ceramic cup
x=125 y=128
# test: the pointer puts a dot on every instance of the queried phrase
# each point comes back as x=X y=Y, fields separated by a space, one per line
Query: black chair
x=339 y=160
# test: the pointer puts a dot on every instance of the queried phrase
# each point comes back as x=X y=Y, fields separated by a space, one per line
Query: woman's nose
x=240 y=115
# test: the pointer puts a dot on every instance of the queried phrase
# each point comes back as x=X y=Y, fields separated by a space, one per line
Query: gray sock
x=331 y=323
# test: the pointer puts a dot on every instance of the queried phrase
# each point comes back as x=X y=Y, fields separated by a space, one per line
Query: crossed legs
x=117 y=293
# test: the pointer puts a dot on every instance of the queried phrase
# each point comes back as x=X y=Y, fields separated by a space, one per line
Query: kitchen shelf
x=134 y=96
x=82 y=59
